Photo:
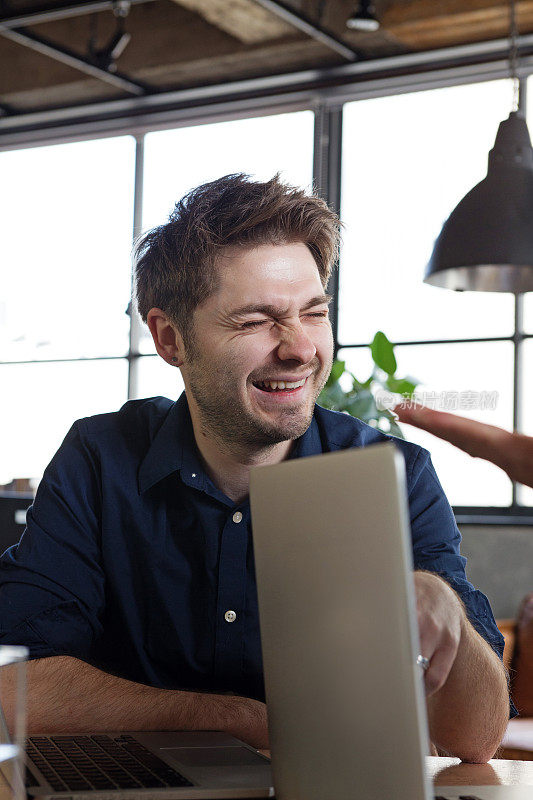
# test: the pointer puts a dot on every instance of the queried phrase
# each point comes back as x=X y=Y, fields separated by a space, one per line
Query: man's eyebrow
x=274 y=311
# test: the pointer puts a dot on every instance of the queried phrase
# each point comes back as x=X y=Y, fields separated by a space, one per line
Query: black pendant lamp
x=486 y=244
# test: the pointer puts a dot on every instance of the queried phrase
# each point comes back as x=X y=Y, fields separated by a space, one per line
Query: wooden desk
x=448 y=772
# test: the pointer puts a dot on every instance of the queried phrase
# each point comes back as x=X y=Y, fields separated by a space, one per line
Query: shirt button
x=237 y=517
x=230 y=616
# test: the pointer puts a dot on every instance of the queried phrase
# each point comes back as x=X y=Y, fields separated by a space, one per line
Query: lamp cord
x=513 y=54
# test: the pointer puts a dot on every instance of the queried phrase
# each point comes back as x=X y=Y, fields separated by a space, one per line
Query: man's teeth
x=283 y=384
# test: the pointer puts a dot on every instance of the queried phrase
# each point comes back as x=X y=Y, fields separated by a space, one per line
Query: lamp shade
x=486 y=244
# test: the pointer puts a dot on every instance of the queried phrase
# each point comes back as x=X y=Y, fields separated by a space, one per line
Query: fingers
x=439 y=625
x=440 y=665
x=438 y=644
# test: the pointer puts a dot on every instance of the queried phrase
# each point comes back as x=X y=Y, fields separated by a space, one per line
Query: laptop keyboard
x=85 y=763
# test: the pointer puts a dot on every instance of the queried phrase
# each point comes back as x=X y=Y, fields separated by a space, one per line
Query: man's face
x=267 y=321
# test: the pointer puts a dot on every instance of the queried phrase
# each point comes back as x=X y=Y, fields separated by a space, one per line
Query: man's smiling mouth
x=279 y=386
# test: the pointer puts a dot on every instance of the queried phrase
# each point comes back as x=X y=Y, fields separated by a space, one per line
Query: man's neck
x=229 y=466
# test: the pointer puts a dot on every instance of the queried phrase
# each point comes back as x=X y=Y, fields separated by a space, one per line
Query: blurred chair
x=518 y=658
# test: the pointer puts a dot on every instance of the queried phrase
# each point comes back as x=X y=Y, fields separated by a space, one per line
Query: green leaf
x=356 y=385
x=363 y=406
x=383 y=353
x=337 y=369
x=400 y=385
x=395 y=430
x=332 y=397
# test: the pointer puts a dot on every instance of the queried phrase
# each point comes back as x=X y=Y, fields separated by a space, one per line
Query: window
x=66 y=218
x=66 y=224
x=406 y=162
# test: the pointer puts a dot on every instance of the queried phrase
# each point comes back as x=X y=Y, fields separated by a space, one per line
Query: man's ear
x=167 y=338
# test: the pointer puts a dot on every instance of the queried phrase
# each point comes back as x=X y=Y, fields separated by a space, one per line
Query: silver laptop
x=346 y=707
x=144 y=765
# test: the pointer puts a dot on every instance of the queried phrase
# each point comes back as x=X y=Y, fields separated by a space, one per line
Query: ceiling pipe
x=60 y=11
x=47 y=48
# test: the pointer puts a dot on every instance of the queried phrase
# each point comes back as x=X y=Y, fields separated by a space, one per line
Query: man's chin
x=281 y=430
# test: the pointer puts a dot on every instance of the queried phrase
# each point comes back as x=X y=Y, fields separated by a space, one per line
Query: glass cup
x=12 y=733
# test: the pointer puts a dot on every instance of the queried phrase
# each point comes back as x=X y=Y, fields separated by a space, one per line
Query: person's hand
x=440 y=622
x=513 y=452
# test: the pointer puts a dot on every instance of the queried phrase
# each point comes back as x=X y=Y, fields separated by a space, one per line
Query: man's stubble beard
x=233 y=424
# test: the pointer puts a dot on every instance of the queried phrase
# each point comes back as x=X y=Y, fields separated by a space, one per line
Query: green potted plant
x=344 y=392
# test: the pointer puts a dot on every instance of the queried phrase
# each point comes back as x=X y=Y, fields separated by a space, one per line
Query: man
x=512 y=452
x=134 y=583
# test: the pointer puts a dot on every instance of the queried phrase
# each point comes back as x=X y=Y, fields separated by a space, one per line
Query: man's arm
x=67 y=695
x=466 y=684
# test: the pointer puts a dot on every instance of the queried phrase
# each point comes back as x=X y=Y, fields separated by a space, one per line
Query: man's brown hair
x=175 y=263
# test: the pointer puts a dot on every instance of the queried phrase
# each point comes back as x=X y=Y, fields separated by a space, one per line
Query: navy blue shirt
x=131 y=556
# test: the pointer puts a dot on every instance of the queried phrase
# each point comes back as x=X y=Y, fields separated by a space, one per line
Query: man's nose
x=295 y=345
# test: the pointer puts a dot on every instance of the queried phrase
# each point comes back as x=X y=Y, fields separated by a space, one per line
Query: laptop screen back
x=338 y=631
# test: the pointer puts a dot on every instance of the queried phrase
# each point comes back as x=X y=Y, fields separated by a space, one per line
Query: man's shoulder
x=137 y=421
x=147 y=411
x=339 y=431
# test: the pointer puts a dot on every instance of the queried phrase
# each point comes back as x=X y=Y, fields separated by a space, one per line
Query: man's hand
x=513 y=452
x=440 y=620
x=466 y=684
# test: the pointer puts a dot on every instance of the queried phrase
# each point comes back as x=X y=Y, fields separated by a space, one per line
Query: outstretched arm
x=513 y=452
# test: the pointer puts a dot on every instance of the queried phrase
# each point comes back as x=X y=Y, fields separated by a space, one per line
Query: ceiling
x=57 y=54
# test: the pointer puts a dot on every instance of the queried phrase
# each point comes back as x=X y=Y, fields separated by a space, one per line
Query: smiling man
x=134 y=584
x=257 y=357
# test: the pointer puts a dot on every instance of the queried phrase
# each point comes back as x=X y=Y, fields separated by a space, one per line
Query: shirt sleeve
x=52 y=582
x=436 y=547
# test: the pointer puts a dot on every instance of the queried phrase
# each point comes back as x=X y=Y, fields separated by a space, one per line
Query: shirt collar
x=174 y=448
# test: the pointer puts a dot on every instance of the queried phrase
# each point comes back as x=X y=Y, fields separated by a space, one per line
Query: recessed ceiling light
x=364 y=18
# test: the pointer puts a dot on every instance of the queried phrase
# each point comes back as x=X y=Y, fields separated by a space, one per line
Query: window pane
x=156 y=377
x=178 y=160
x=407 y=161
x=40 y=403
x=525 y=493
x=528 y=312
x=475 y=368
x=66 y=217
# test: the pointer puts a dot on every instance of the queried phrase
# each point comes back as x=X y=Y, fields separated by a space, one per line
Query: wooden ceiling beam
x=170 y=47
x=421 y=24
x=243 y=19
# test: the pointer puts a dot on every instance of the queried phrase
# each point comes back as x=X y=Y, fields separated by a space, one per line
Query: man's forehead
x=280 y=276
x=266 y=262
